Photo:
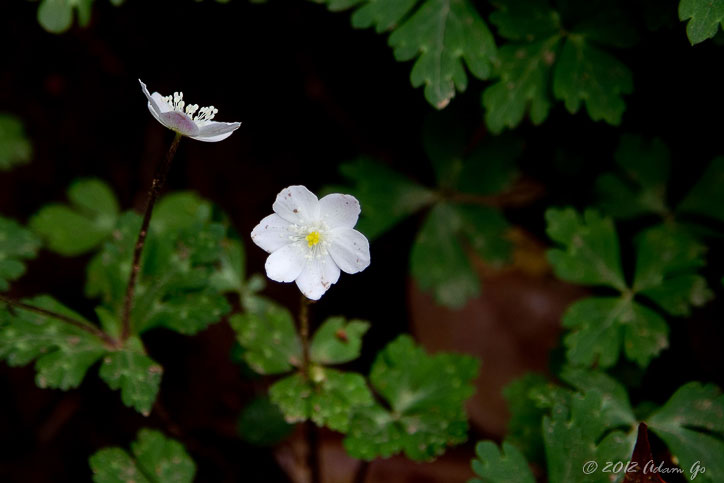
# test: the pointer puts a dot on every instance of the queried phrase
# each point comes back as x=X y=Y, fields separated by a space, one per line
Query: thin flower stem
x=85 y=326
x=310 y=428
x=159 y=181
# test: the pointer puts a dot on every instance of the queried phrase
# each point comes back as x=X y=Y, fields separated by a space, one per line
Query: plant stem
x=159 y=181
x=85 y=326
x=362 y=470
x=310 y=428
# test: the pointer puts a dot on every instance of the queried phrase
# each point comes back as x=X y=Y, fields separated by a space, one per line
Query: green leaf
x=155 y=458
x=270 y=339
x=601 y=325
x=585 y=73
x=490 y=168
x=707 y=196
x=134 y=373
x=179 y=259
x=15 y=148
x=526 y=417
x=63 y=352
x=327 y=398
x=666 y=263
x=591 y=252
x=180 y=211
x=616 y=410
x=704 y=18
x=231 y=274
x=641 y=187
x=441 y=34
x=542 y=47
x=16 y=245
x=497 y=466
x=524 y=71
x=691 y=423
x=574 y=435
x=337 y=341
x=261 y=423
x=438 y=261
x=81 y=226
x=386 y=196
x=426 y=396
x=56 y=16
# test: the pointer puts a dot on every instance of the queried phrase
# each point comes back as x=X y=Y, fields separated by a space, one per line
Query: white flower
x=172 y=112
x=311 y=240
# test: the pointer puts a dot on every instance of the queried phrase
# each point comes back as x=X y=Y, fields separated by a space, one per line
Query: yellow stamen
x=313 y=238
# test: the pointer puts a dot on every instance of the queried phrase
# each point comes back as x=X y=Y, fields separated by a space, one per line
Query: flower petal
x=152 y=102
x=160 y=103
x=318 y=275
x=349 y=249
x=271 y=233
x=285 y=264
x=297 y=204
x=179 y=122
x=216 y=131
x=339 y=211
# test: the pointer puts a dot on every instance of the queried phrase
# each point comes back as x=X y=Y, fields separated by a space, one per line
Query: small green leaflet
x=328 y=397
x=704 y=18
x=667 y=260
x=154 y=458
x=270 y=339
x=16 y=246
x=82 y=225
x=640 y=188
x=15 y=148
x=578 y=433
x=691 y=424
x=543 y=57
x=426 y=396
x=524 y=425
x=134 y=373
x=706 y=198
x=441 y=34
x=500 y=466
x=63 y=352
x=262 y=423
x=337 y=341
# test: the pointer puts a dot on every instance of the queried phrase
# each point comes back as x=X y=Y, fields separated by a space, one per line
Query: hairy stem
x=159 y=180
x=310 y=428
x=85 y=326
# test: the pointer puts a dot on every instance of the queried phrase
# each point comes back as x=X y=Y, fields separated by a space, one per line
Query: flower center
x=313 y=238
x=177 y=104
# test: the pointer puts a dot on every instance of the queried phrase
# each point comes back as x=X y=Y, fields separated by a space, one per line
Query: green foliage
x=270 y=339
x=691 y=424
x=640 y=186
x=15 y=148
x=262 y=423
x=580 y=432
x=231 y=273
x=81 y=226
x=134 y=373
x=337 y=341
x=704 y=17
x=524 y=425
x=327 y=397
x=63 y=352
x=56 y=16
x=667 y=259
x=153 y=458
x=441 y=34
x=183 y=249
x=543 y=56
x=463 y=219
x=16 y=245
x=426 y=396
x=497 y=466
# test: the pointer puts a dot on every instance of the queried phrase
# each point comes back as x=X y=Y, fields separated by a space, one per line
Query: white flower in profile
x=188 y=120
x=311 y=240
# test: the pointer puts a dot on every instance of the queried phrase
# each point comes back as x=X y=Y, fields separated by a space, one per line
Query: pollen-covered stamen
x=206 y=113
x=312 y=238
x=177 y=103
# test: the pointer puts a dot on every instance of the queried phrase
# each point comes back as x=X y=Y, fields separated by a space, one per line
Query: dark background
x=310 y=92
